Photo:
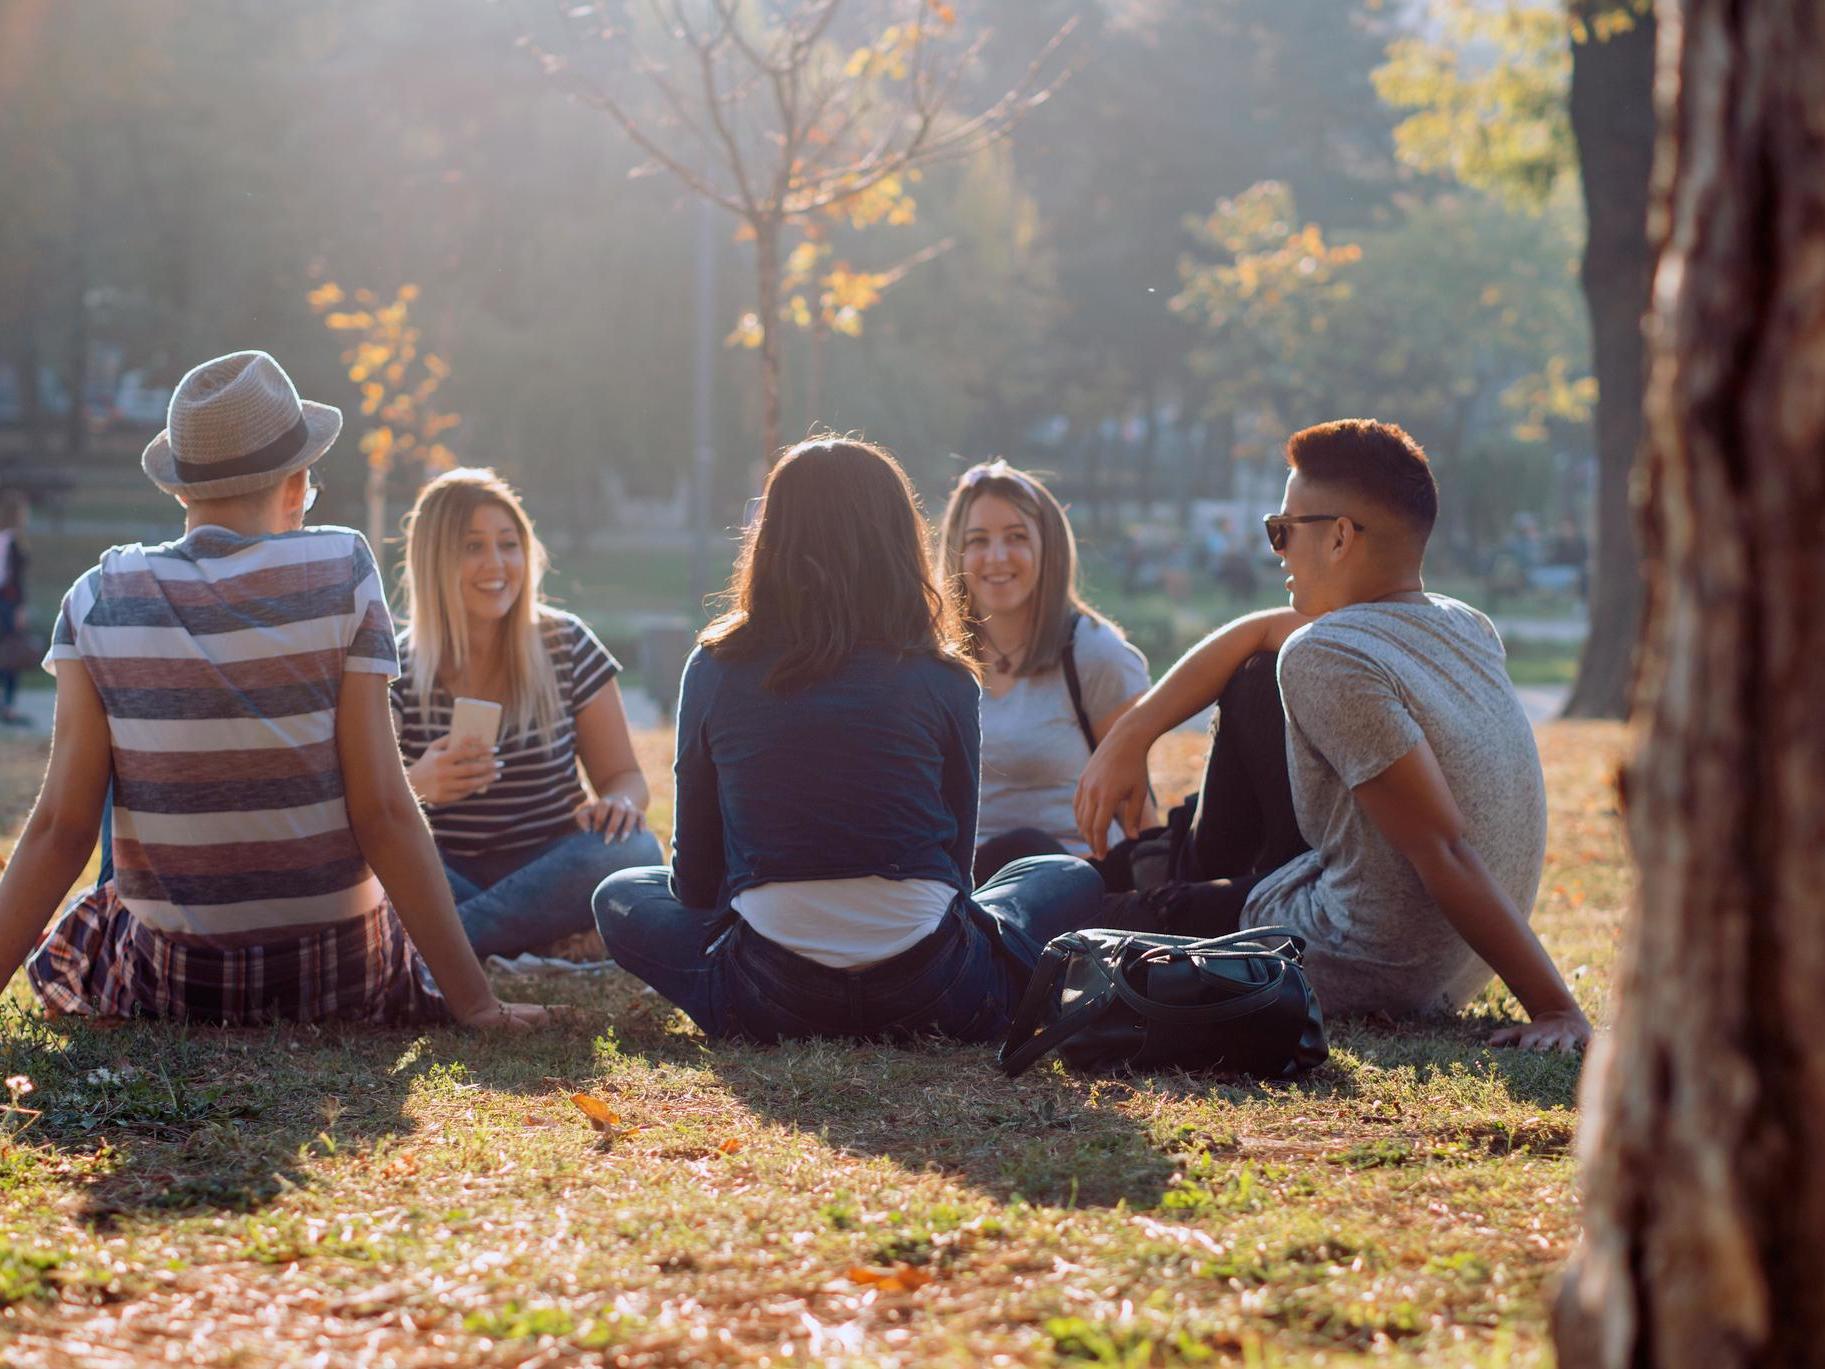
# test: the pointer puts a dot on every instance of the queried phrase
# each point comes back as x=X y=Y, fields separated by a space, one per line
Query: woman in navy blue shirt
x=828 y=764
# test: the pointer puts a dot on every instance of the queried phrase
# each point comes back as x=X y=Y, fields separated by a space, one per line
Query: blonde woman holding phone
x=500 y=696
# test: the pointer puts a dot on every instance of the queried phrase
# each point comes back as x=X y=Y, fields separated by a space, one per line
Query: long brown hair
x=1055 y=593
x=835 y=560
x=437 y=629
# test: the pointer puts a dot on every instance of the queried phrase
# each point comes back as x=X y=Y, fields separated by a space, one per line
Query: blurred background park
x=616 y=251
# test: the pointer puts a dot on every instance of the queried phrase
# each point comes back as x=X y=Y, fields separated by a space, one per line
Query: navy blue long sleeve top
x=873 y=770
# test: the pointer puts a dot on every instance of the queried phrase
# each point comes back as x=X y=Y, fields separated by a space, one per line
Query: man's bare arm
x=391 y=832
x=1114 y=784
x=1411 y=805
x=60 y=833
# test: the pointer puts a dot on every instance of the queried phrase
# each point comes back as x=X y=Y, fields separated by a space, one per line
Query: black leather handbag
x=1109 y=1000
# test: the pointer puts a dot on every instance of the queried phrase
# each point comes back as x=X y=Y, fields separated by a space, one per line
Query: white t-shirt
x=846 y=923
x=1033 y=750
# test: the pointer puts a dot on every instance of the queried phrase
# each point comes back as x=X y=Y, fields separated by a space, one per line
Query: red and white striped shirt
x=219 y=660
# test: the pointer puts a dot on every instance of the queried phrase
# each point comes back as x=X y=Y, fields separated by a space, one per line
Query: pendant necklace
x=1004 y=660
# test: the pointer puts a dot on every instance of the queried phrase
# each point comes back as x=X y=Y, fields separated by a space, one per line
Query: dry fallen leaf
x=902 y=1278
x=601 y=1116
x=730 y=1146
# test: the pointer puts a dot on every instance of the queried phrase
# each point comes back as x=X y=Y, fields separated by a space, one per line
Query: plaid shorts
x=101 y=961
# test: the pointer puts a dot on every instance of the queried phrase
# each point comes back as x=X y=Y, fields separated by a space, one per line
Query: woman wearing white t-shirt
x=1055 y=673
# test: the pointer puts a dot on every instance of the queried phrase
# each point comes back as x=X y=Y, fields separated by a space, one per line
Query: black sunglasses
x=1277 y=525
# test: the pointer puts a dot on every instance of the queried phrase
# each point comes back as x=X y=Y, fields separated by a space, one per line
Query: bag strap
x=1067 y=660
x=1024 y=1045
x=1018 y=1060
x=1202 y=1013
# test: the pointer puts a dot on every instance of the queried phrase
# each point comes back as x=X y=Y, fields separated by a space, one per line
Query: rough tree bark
x=1612 y=118
x=1705 y=1156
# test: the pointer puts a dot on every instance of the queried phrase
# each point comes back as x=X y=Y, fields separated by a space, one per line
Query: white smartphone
x=480 y=718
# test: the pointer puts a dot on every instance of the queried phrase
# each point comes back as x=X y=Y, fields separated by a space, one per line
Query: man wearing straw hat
x=234 y=685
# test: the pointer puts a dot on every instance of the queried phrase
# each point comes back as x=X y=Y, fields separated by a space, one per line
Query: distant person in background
x=1571 y=548
x=523 y=844
x=14 y=644
x=827 y=784
x=1055 y=673
x=268 y=857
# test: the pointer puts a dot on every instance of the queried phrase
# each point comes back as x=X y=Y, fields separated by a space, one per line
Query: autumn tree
x=398 y=381
x=1705 y=1112
x=1514 y=97
x=1262 y=285
x=792 y=116
x=1176 y=106
x=1461 y=317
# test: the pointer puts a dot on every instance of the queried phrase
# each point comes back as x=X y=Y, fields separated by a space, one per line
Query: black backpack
x=1111 y=1000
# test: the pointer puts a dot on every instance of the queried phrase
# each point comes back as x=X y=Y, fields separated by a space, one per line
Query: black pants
x=1236 y=830
x=1243 y=826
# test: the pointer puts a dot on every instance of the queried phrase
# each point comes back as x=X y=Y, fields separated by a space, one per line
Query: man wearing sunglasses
x=1373 y=782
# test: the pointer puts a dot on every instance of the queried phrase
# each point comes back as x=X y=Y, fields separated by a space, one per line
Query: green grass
x=1535 y=662
x=234 y=1197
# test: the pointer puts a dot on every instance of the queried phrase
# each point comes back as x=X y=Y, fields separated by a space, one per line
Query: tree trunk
x=766 y=254
x=28 y=359
x=1705 y=1172
x=818 y=348
x=1219 y=456
x=1612 y=117
x=376 y=503
x=76 y=421
x=1150 y=451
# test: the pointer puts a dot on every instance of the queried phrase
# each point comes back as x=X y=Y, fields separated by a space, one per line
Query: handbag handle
x=1204 y=1014
x=1023 y=1045
x=1018 y=1060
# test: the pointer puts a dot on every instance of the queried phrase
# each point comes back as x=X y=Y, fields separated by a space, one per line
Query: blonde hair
x=1055 y=594
x=436 y=629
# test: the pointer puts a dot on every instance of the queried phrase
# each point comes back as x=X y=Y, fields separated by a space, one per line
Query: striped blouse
x=219 y=660
x=538 y=791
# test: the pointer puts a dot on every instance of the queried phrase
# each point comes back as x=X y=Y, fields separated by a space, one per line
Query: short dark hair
x=1378 y=461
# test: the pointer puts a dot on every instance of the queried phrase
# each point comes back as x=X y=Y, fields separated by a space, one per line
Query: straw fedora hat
x=236 y=425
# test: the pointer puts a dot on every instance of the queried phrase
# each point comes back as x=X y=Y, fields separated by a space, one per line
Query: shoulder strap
x=1068 y=661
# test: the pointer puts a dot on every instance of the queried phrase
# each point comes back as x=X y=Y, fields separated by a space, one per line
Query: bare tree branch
x=797 y=125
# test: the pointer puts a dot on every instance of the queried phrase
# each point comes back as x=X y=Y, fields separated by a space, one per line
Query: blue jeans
x=521 y=900
x=962 y=981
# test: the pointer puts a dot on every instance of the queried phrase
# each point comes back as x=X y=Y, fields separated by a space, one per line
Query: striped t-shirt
x=538 y=792
x=219 y=661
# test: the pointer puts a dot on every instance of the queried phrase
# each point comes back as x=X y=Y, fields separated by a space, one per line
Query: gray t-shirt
x=1033 y=750
x=1361 y=687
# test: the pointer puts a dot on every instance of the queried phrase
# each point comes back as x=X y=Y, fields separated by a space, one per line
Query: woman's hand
x=614 y=815
x=511 y=1017
x=451 y=770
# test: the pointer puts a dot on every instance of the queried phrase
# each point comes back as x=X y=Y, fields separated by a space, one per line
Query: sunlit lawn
x=340 y=1197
